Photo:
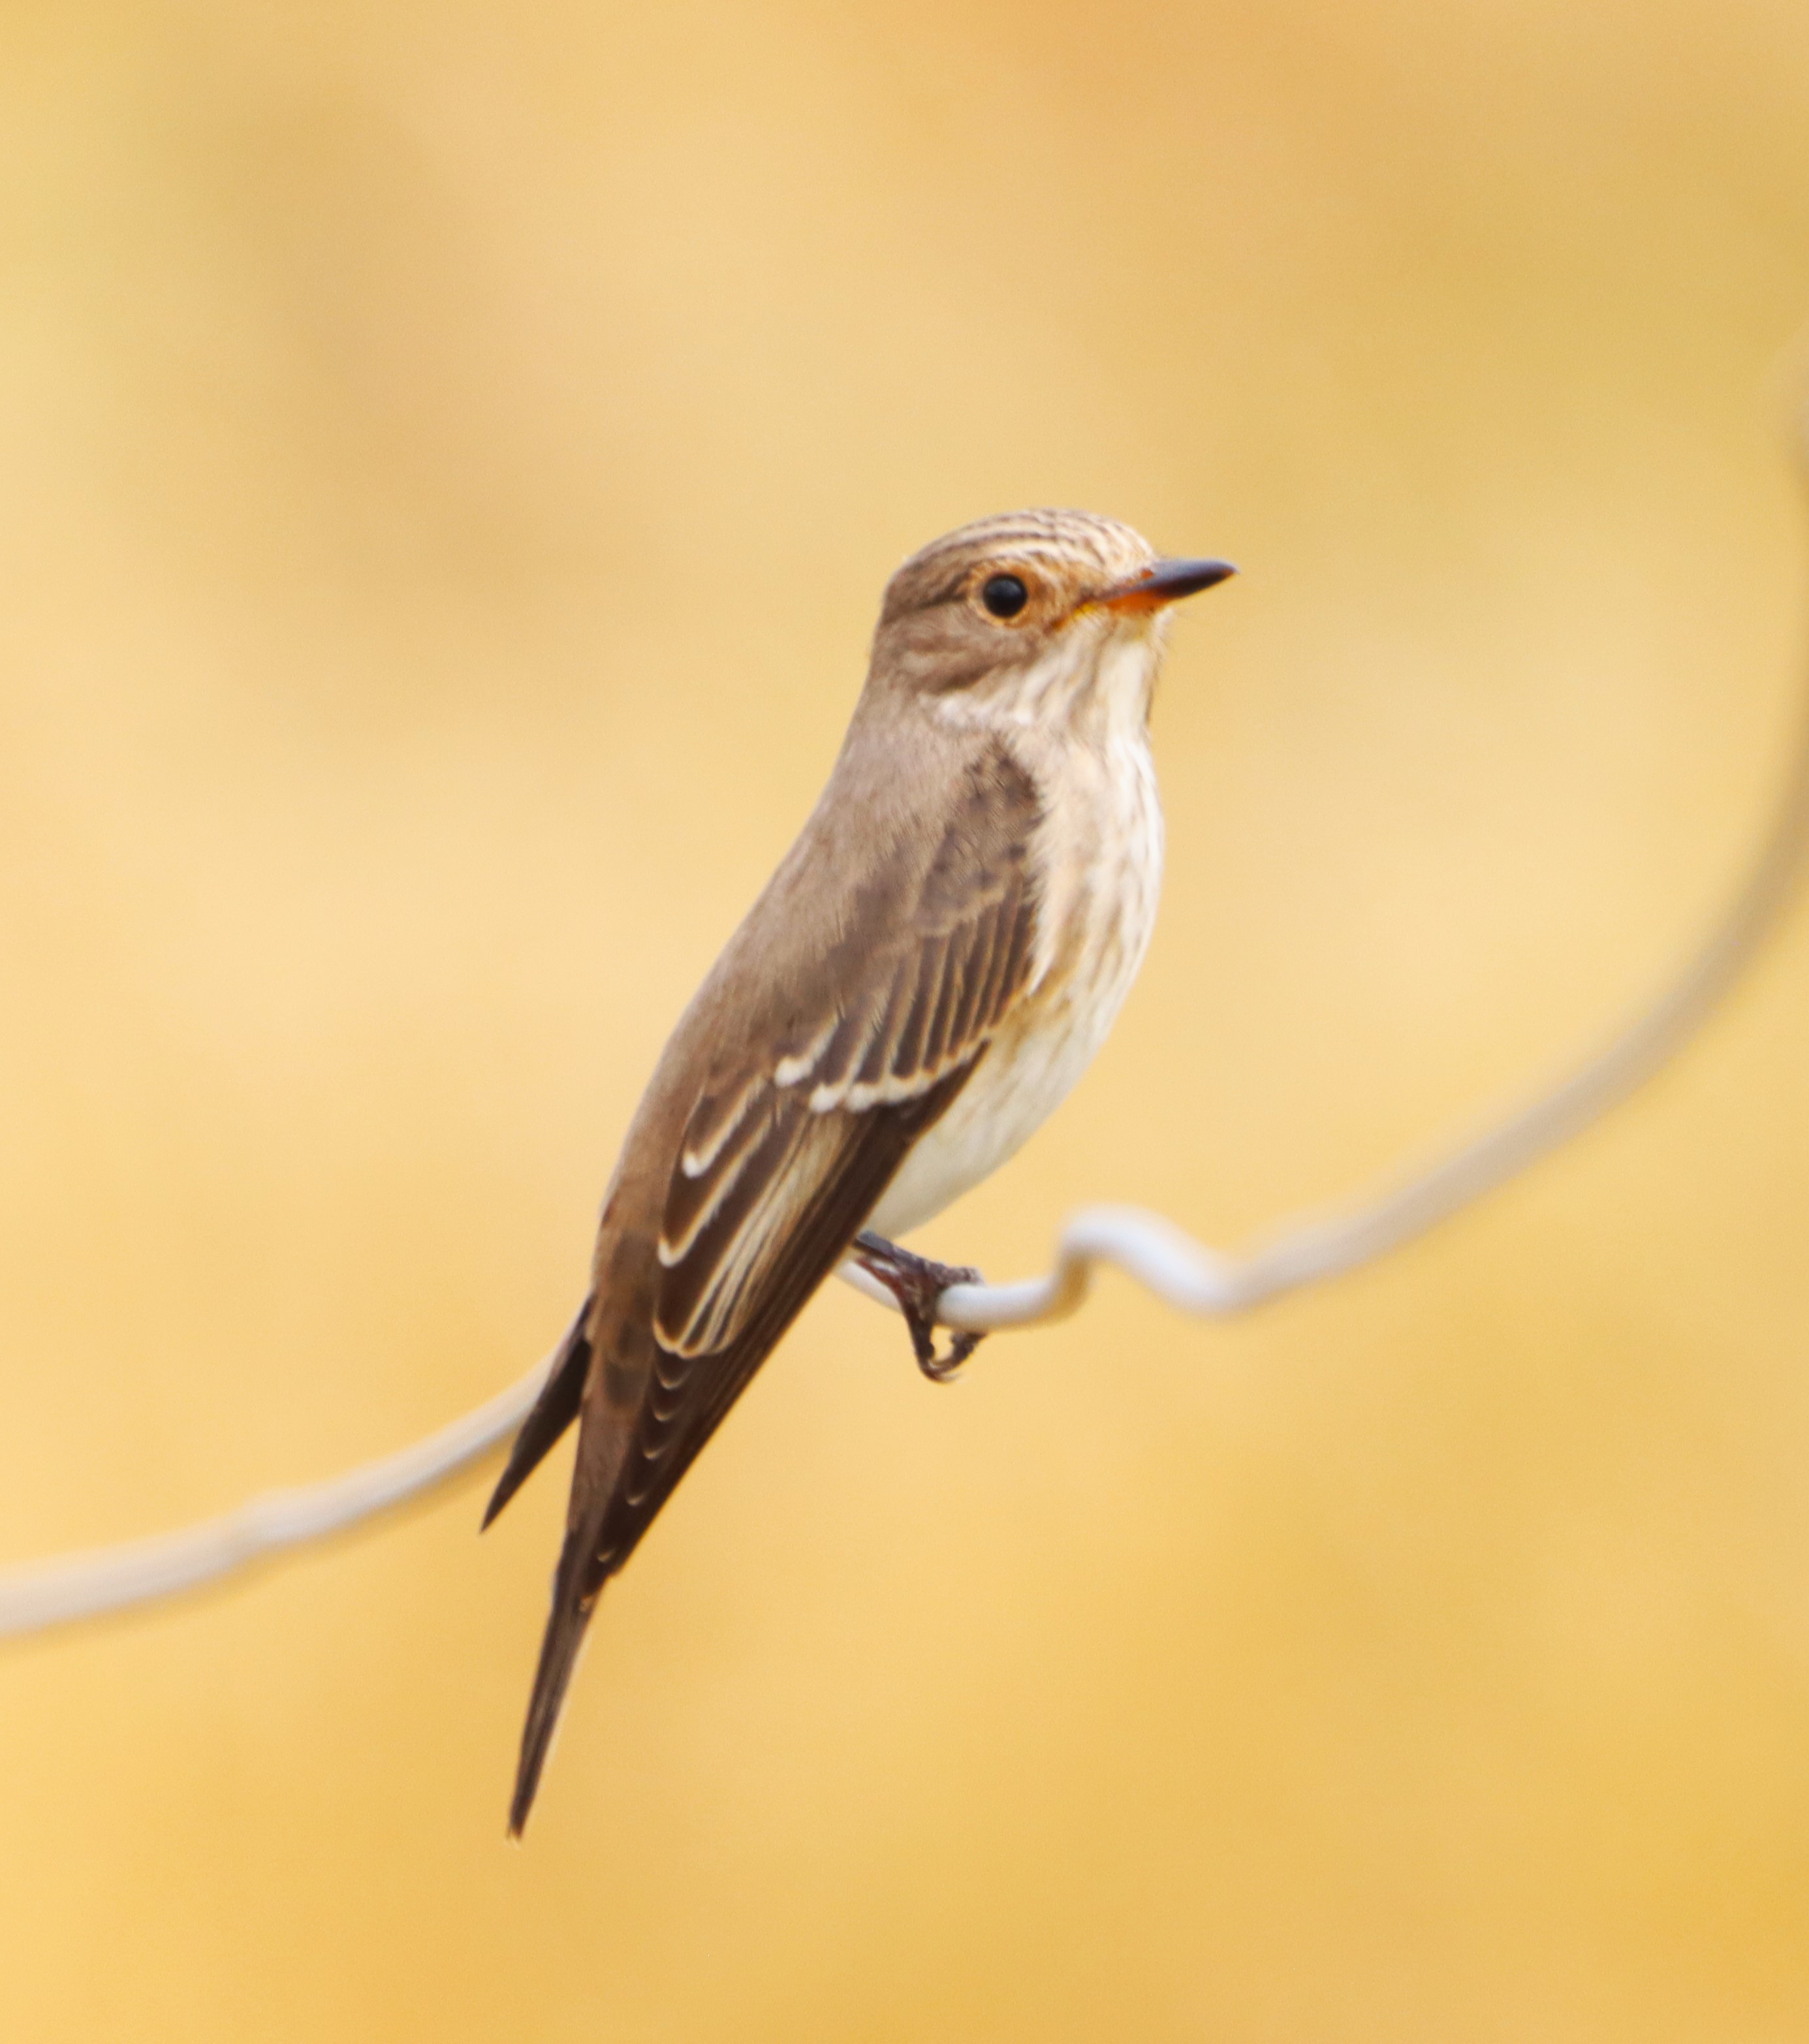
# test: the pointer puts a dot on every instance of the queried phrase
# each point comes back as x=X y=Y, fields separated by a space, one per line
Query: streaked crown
x=1032 y=614
x=1071 y=555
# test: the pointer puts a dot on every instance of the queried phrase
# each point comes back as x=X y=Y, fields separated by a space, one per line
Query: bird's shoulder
x=915 y=840
x=883 y=953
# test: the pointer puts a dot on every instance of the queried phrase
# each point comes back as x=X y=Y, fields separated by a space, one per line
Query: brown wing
x=788 y=1150
x=761 y=1146
x=685 y=1397
x=827 y=1195
x=837 y=1062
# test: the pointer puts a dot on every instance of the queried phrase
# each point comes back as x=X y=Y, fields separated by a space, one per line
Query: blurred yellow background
x=449 y=460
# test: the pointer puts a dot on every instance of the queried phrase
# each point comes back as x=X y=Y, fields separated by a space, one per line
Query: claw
x=917 y=1283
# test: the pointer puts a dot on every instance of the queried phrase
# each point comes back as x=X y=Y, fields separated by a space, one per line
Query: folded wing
x=824 y=1075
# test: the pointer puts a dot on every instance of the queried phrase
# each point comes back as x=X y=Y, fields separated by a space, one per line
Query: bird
x=930 y=968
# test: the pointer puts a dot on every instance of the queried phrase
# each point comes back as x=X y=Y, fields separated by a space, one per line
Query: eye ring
x=1004 y=595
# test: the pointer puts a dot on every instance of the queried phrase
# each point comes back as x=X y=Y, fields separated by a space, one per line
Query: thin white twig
x=34 y=1596
x=1187 y=1274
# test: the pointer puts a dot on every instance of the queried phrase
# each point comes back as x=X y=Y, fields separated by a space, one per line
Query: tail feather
x=554 y=1410
x=575 y=1590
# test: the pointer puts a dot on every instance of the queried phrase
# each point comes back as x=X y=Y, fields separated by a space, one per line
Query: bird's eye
x=1005 y=595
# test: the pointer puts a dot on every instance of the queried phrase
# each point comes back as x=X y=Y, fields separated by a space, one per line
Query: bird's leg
x=917 y=1284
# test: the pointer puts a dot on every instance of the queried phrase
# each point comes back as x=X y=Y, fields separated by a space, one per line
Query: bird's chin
x=1126 y=674
x=1147 y=628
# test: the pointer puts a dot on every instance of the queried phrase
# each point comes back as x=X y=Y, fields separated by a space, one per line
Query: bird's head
x=1032 y=615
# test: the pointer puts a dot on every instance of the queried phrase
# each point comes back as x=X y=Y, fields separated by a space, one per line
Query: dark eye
x=1005 y=595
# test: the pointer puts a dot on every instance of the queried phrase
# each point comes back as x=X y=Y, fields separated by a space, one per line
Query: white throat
x=1079 y=723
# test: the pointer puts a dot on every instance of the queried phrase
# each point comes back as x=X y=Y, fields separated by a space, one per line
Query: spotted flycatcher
x=927 y=975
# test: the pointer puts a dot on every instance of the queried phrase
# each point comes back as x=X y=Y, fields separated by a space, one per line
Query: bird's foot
x=917 y=1284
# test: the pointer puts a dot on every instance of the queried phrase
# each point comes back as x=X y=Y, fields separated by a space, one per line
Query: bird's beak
x=1166 y=582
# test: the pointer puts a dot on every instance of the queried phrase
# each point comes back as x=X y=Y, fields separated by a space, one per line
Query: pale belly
x=1096 y=943
x=1024 y=1076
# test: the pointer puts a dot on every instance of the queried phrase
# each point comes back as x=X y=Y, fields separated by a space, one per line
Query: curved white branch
x=1186 y=1273
x=36 y=1596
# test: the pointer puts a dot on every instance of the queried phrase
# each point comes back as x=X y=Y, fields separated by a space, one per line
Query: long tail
x=578 y=1581
x=554 y=1410
x=576 y=1587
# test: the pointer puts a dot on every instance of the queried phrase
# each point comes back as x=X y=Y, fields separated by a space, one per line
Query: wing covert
x=919 y=987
